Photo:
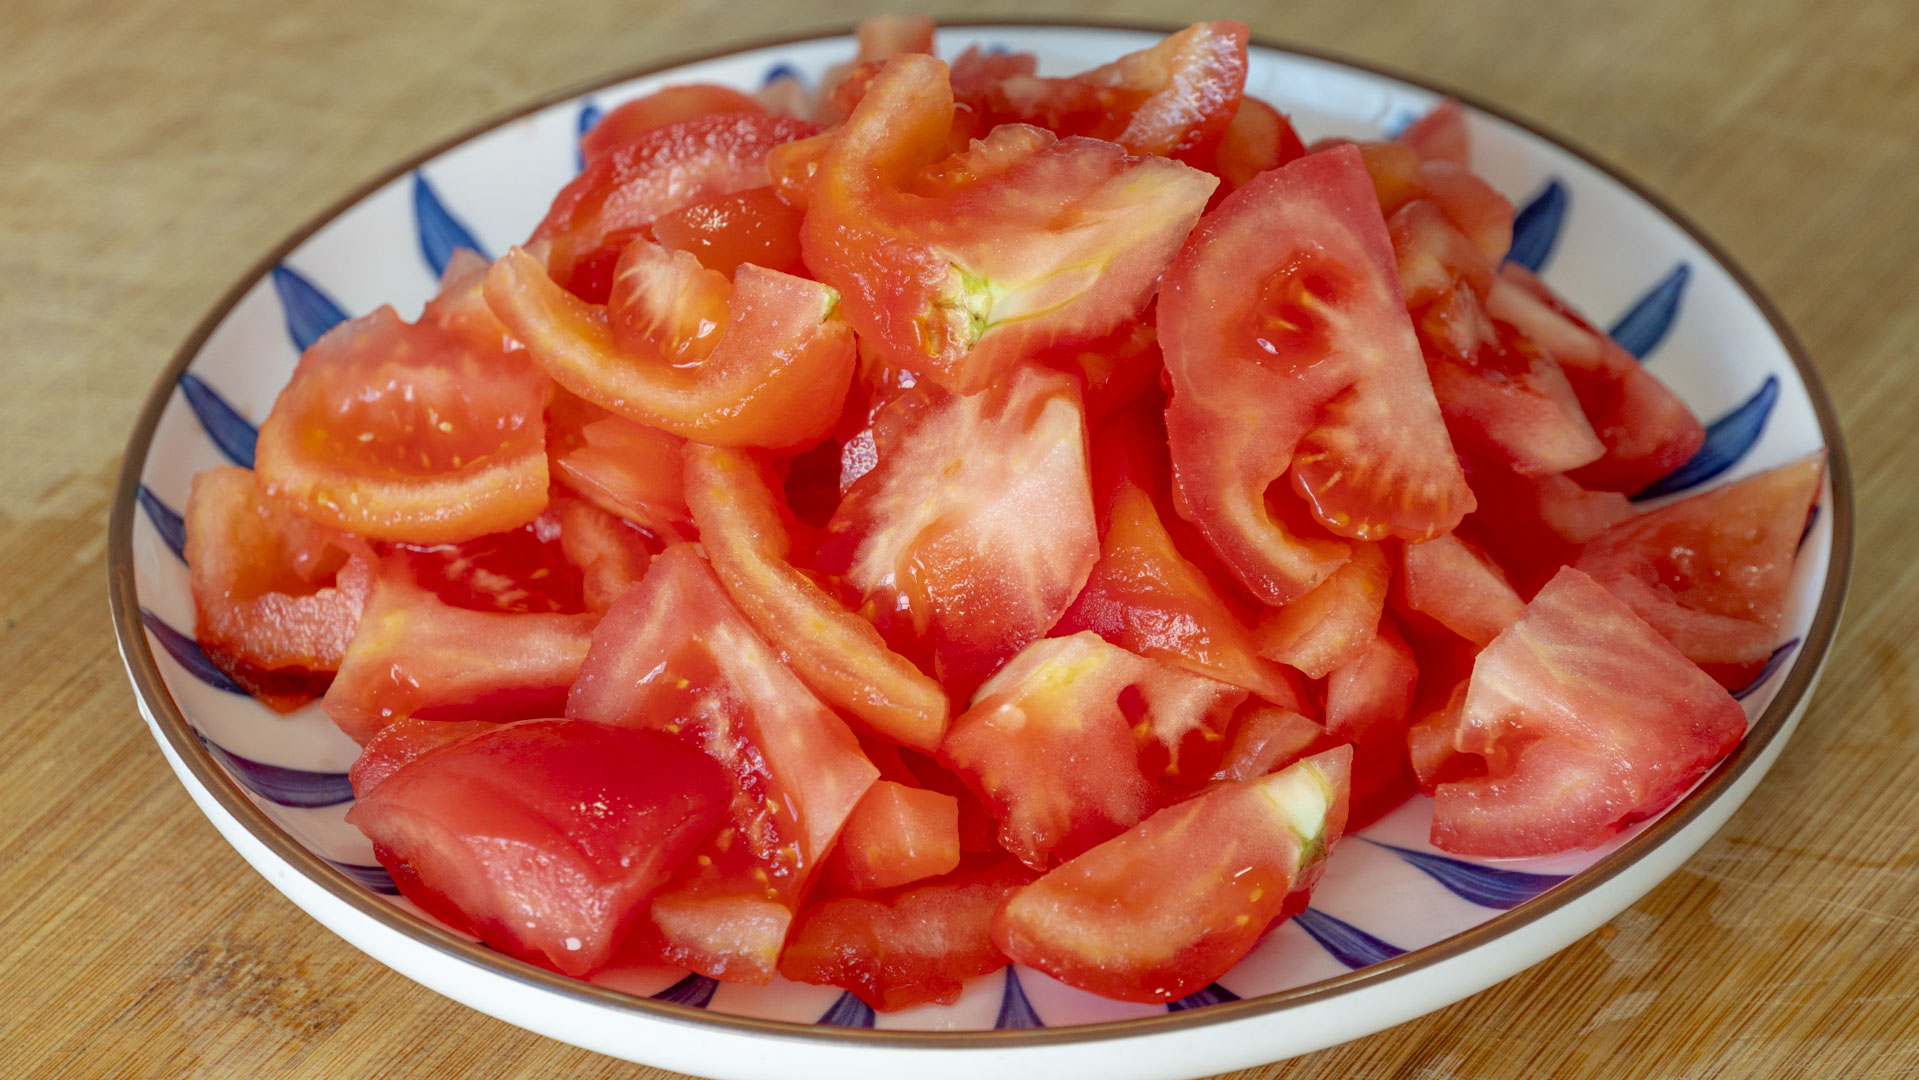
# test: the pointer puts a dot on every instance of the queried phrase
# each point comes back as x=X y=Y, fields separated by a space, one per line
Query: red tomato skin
x=488 y=826
x=1335 y=622
x=629 y=121
x=727 y=231
x=898 y=834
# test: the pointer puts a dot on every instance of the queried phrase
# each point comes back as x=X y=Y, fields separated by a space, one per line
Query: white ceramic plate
x=1395 y=929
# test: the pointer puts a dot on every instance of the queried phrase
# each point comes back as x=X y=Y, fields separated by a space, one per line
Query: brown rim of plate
x=179 y=734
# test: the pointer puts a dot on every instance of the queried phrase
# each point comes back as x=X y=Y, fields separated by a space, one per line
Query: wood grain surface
x=151 y=151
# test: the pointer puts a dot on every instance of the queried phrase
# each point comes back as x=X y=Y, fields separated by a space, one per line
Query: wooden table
x=150 y=152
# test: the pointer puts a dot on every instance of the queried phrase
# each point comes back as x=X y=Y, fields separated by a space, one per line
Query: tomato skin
x=727 y=231
x=1335 y=622
x=1060 y=242
x=632 y=119
x=1460 y=587
x=1160 y=911
x=898 y=834
x=1587 y=720
x=275 y=597
x=488 y=825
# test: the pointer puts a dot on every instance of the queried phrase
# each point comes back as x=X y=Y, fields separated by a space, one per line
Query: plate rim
x=171 y=723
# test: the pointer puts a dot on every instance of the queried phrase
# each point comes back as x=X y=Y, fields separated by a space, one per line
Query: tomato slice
x=1335 y=622
x=1460 y=587
x=399 y=431
x=1265 y=740
x=1709 y=572
x=660 y=170
x=975 y=531
x=275 y=597
x=839 y=654
x=1290 y=351
x=761 y=361
x=1369 y=702
x=658 y=109
x=675 y=655
x=415 y=655
x=897 y=834
x=1440 y=135
x=727 y=231
x=625 y=468
x=907 y=947
x=1023 y=243
x=1587 y=720
x=490 y=825
x=1160 y=911
x=1258 y=138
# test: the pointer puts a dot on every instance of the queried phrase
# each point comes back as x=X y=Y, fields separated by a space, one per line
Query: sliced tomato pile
x=966 y=516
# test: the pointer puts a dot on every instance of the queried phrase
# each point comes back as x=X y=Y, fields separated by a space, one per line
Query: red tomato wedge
x=1063 y=744
x=1258 y=138
x=675 y=655
x=625 y=468
x=1709 y=572
x=489 y=825
x=1158 y=912
x=840 y=655
x=1335 y=622
x=1460 y=587
x=400 y=431
x=908 y=947
x=1440 y=135
x=1369 y=702
x=275 y=597
x=727 y=231
x=897 y=834
x=629 y=121
x=1587 y=720
x=1022 y=243
x=619 y=195
x=763 y=360
x=414 y=655
x=1290 y=351
x=975 y=531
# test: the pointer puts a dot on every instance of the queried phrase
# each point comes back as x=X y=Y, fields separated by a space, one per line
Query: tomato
x=897 y=834
x=1460 y=587
x=763 y=360
x=414 y=655
x=275 y=597
x=490 y=826
x=837 y=653
x=724 y=232
x=520 y=571
x=657 y=109
x=1258 y=138
x=399 y=743
x=398 y=431
x=609 y=554
x=908 y=947
x=1266 y=739
x=1369 y=701
x=1335 y=622
x=1440 y=135
x=1587 y=720
x=1290 y=351
x=619 y=195
x=1647 y=431
x=1710 y=571
x=1158 y=912
x=675 y=655
x=1062 y=743
x=1025 y=242
x=625 y=468
x=975 y=531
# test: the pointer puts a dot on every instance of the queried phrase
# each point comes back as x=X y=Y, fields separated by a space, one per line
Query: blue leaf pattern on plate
x=781 y=71
x=1644 y=325
x=848 y=1011
x=171 y=527
x=277 y=783
x=374 y=878
x=441 y=234
x=695 y=990
x=589 y=116
x=1349 y=944
x=310 y=313
x=1727 y=440
x=1211 y=994
x=1536 y=227
x=1766 y=671
x=187 y=652
x=1487 y=886
x=231 y=432
x=1015 y=1011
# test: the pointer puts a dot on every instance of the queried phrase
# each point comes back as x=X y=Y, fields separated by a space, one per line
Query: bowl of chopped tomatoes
x=1060 y=546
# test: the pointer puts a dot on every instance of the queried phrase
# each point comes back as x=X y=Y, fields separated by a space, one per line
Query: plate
x=1395 y=929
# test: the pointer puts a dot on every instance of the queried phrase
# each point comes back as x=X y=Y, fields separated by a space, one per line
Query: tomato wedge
x=1022 y=243
x=898 y=834
x=629 y=121
x=840 y=655
x=1335 y=622
x=760 y=361
x=1158 y=912
x=1290 y=351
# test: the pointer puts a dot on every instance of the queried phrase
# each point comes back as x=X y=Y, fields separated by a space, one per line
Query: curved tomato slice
x=1036 y=242
x=1440 y=135
x=1335 y=622
x=1290 y=351
x=1156 y=913
x=727 y=231
x=1258 y=138
x=658 y=109
x=398 y=431
x=490 y=825
x=1459 y=587
x=899 y=833
x=1709 y=572
x=761 y=361
x=839 y=654
x=660 y=170
x=975 y=531
x=1587 y=720
x=275 y=597
x=625 y=468
x=675 y=655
